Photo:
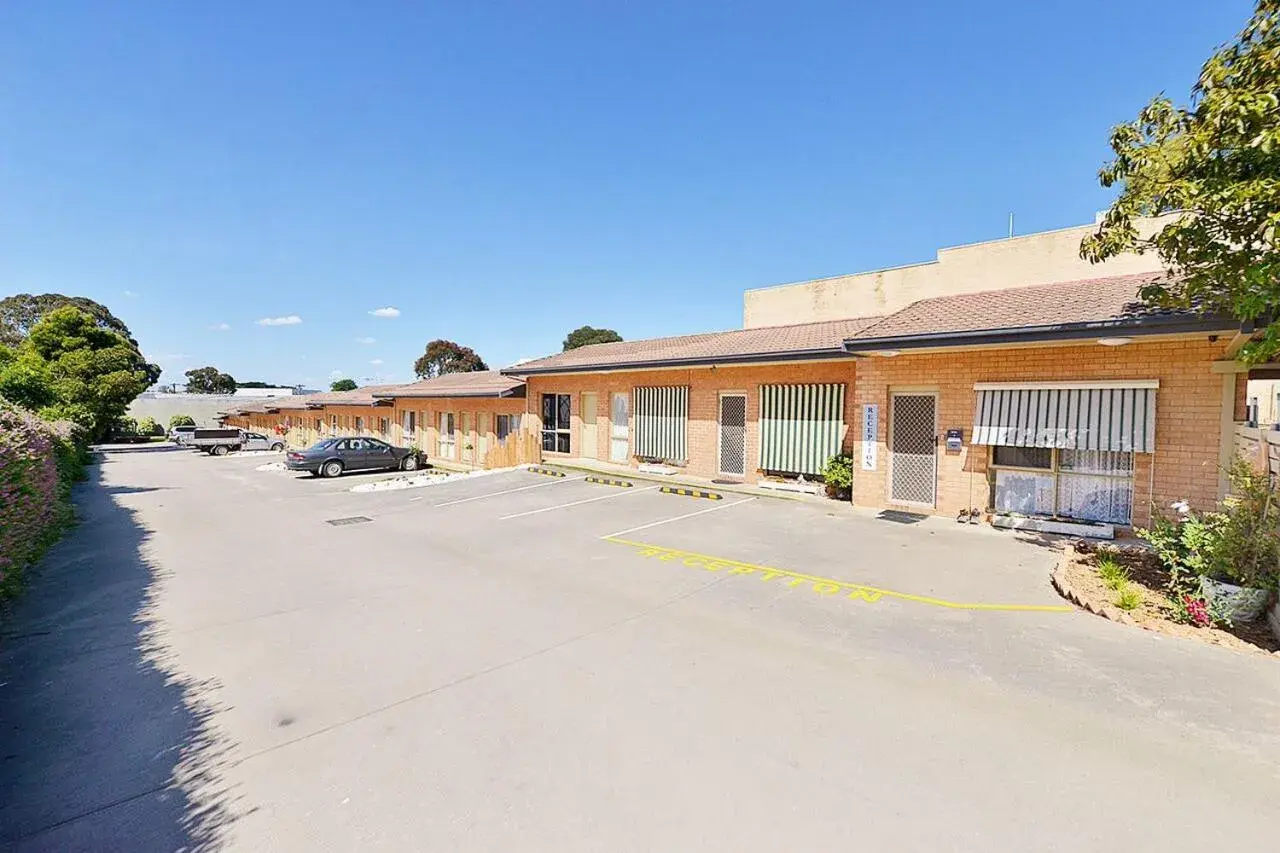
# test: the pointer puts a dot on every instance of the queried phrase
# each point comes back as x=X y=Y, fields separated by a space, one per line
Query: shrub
x=181 y=420
x=39 y=462
x=838 y=475
x=148 y=426
x=1240 y=543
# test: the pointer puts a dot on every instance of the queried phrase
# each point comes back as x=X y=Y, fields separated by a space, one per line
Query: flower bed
x=39 y=462
x=1082 y=579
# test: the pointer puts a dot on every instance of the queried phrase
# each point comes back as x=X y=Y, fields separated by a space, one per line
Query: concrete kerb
x=680 y=484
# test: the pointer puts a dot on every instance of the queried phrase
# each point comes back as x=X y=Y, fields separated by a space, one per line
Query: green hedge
x=39 y=463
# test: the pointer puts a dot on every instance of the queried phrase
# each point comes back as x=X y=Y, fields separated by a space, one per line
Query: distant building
x=267 y=392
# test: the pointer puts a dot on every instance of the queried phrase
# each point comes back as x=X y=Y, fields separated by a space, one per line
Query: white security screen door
x=619 y=431
x=733 y=435
x=913 y=449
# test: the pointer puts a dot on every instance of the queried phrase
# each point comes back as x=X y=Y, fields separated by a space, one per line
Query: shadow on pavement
x=103 y=746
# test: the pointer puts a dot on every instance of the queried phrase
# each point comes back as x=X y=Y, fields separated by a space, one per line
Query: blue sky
x=502 y=172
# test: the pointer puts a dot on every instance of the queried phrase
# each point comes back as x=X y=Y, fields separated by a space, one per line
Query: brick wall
x=705 y=388
x=482 y=412
x=1188 y=414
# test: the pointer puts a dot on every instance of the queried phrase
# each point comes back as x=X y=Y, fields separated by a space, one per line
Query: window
x=1022 y=457
x=1090 y=485
x=359 y=424
x=319 y=424
x=506 y=425
x=333 y=422
x=375 y=446
x=384 y=426
x=556 y=411
x=410 y=423
x=448 y=438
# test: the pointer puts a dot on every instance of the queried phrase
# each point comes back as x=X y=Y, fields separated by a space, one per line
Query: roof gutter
x=509 y=392
x=1035 y=334
x=706 y=361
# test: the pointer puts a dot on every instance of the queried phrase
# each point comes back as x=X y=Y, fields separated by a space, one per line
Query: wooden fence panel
x=521 y=448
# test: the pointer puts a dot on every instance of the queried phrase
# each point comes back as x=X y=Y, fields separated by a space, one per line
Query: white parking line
x=508 y=491
x=676 y=518
x=577 y=503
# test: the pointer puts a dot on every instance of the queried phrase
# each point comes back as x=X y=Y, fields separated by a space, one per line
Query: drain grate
x=353 y=519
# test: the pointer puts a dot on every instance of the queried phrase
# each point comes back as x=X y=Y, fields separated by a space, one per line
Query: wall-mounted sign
x=870 y=429
x=955 y=439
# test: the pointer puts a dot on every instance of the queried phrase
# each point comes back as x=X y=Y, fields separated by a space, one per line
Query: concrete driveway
x=516 y=662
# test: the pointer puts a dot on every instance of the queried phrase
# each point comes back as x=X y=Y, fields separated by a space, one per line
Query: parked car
x=332 y=456
x=181 y=434
x=258 y=441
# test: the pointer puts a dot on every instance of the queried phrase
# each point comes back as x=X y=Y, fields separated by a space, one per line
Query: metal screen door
x=913 y=459
x=733 y=435
x=619 y=433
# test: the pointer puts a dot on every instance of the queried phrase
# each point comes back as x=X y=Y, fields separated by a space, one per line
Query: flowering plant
x=39 y=461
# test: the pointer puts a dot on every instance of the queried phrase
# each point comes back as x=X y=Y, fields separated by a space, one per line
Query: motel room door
x=468 y=451
x=619 y=431
x=587 y=443
x=733 y=435
x=913 y=449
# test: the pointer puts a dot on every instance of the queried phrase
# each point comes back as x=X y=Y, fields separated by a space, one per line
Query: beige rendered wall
x=1188 y=414
x=705 y=387
x=1040 y=258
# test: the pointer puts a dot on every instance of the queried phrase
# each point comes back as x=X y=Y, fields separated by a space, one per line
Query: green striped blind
x=801 y=426
x=661 y=418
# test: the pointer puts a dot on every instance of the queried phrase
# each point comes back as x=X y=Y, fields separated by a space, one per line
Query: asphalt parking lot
x=521 y=662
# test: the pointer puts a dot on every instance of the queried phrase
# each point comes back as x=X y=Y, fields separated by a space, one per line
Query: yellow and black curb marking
x=814 y=583
x=546 y=472
x=691 y=493
x=604 y=481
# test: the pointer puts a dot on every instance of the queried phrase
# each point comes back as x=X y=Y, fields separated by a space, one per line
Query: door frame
x=911 y=391
x=720 y=433
x=582 y=422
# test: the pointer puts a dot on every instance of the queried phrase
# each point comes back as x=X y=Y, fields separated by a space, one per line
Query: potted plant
x=837 y=474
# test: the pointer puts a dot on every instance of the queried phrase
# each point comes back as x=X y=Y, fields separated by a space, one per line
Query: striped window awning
x=1077 y=416
x=801 y=426
x=661 y=422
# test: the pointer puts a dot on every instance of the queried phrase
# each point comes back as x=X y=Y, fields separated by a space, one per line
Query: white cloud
x=220 y=327
x=290 y=320
x=129 y=294
x=385 y=312
x=375 y=361
x=337 y=374
x=366 y=340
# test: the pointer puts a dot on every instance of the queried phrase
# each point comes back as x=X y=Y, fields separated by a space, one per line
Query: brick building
x=1067 y=400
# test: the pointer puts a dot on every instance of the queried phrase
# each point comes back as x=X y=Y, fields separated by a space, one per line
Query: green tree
x=443 y=357
x=181 y=420
x=343 y=385
x=587 y=335
x=20 y=312
x=1215 y=165
x=210 y=380
x=92 y=372
x=148 y=426
x=24 y=379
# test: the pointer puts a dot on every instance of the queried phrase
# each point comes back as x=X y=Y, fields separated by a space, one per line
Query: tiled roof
x=766 y=343
x=1096 y=302
x=486 y=383
x=366 y=396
